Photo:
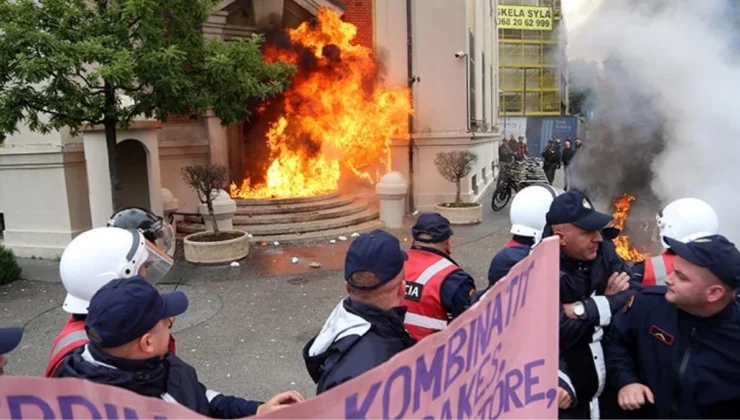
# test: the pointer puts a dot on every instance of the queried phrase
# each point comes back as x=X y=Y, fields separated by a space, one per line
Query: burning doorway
x=333 y=125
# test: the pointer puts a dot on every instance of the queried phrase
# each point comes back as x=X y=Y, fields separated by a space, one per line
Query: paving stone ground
x=246 y=326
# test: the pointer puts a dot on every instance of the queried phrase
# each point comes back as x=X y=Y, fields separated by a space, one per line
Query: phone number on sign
x=526 y=23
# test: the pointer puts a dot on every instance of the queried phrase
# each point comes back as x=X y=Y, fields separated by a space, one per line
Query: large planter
x=471 y=214
x=201 y=248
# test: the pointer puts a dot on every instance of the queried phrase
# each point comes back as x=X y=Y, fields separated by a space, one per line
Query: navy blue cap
x=713 y=252
x=434 y=225
x=378 y=252
x=10 y=338
x=126 y=309
x=575 y=208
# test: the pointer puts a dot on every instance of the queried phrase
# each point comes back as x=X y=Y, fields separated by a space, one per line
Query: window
x=483 y=84
x=474 y=181
x=483 y=174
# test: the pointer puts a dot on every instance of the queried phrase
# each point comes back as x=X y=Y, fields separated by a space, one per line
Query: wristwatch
x=579 y=310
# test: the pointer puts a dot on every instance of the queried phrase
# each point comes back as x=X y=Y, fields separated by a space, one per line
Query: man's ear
x=715 y=293
x=146 y=343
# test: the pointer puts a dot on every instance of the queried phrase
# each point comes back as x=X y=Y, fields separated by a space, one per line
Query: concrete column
x=218 y=145
x=392 y=190
x=155 y=178
x=98 y=178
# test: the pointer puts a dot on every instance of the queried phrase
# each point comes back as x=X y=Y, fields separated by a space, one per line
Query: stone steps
x=298 y=220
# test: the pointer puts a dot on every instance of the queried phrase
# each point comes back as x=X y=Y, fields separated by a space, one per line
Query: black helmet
x=154 y=228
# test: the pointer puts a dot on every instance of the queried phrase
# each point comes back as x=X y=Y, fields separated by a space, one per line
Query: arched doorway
x=133 y=174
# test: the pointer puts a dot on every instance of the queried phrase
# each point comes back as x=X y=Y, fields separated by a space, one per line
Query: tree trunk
x=110 y=123
x=209 y=203
x=457 y=192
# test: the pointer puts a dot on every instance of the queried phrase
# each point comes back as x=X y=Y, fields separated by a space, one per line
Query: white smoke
x=682 y=55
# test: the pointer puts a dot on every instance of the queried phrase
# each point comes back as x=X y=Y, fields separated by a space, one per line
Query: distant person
x=366 y=329
x=579 y=143
x=523 y=151
x=568 y=154
x=551 y=160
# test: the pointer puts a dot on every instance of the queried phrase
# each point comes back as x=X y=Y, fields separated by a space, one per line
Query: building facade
x=533 y=77
x=54 y=186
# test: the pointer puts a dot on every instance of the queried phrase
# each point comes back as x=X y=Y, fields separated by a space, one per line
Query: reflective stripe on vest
x=659 y=270
x=425 y=321
x=433 y=270
x=67 y=340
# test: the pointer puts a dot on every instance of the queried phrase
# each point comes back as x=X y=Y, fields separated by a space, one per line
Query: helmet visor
x=157 y=263
x=164 y=238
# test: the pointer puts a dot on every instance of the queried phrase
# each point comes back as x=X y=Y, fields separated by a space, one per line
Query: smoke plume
x=666 y=103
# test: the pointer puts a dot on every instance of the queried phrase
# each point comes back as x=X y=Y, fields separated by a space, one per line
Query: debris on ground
x=315 y=264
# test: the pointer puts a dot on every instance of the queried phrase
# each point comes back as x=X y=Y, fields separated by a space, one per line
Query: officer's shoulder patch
x=628 y=305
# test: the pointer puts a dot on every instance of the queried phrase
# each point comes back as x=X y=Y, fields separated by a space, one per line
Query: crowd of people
x=656 y=340
x=554 y=156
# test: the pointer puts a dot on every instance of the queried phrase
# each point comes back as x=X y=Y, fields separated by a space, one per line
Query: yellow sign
x=527 y=18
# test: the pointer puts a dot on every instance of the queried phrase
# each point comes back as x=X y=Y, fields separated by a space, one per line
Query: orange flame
x=624 y=248
x=336 y=107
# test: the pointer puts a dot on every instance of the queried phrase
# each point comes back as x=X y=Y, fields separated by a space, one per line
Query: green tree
x=67 y=63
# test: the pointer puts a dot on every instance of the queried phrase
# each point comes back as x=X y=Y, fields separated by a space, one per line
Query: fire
x=333 y=116
x=624 y=248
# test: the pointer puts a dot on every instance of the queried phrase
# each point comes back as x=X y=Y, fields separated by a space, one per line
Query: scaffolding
x=531 y=67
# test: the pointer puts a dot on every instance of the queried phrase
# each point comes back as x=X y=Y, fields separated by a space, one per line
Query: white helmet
x=529 y=207
x=100 y=255
x=687 y=219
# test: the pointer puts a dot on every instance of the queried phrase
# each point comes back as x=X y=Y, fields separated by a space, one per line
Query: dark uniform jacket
x=169 y=379
x=580 y=339
x=691 y=364
x=355 y=339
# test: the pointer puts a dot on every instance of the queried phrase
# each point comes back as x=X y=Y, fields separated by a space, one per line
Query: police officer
x=594 y=284
x=684 y=219
x=366 y=329
x=129 y=324
x=527 y=216
x=437 y=289
x=155 y=229
x=91 y=260
x=673 y=351
x=9 y=339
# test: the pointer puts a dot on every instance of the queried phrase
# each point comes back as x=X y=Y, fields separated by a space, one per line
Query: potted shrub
x=218 y=245
x=454 y=166
x=10 y=271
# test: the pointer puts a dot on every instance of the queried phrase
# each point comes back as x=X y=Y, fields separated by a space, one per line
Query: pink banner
x=498 y=360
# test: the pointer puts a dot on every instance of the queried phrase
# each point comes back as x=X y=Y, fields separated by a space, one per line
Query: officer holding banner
x=673 y=351
x=9 y=340
x=128 y=323
x=437 y=289
x=366 y=329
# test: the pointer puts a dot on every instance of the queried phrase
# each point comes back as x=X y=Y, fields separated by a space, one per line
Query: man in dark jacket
x=128 y=323
x=550 y=161
x=594 y=284
x=569 y=152
x=366 y=329
x=673 y=351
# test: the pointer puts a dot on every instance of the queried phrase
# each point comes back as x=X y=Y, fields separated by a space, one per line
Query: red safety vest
x=425 y=272
x=658 y=268
x=72 y=336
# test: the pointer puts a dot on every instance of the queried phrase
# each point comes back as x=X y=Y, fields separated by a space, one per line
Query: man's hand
x=564 y=400
x=633 y=396
x=279 y=401
x=618 y=282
